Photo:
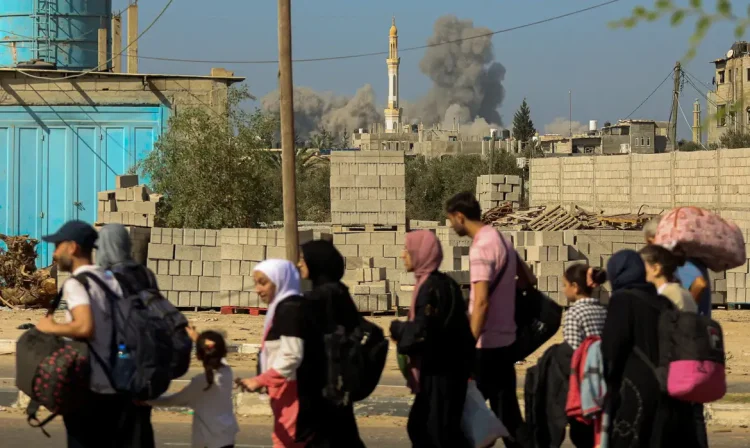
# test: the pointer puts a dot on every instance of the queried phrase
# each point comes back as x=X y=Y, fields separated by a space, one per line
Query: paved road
x=15 y=433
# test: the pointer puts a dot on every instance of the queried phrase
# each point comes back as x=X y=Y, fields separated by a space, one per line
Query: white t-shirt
x=74 y=294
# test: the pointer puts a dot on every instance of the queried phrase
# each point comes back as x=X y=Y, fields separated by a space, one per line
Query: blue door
x=54 y=161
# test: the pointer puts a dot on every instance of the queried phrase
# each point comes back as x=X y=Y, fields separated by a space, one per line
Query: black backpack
x=142 y=348
x=138 y=281
x=54 y=372
x=354 y=360
x=537 y=316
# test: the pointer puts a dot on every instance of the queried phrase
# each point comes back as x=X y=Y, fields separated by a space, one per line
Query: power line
x=651 y=94
x=385 y=53
x=148 y=28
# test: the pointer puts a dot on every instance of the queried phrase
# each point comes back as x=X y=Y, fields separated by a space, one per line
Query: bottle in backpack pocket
x=124 y=369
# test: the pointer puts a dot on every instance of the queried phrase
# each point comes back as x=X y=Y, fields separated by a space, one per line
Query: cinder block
x=382 y=238
x=153 y=265
x=191 y=253
x=359 y=238
x=393 y=251
x=195 y=298
x=248 y=283
x=231 y=283
x=126 y=181
x=164 y=282
x=196 y=268
x=210 y=253
x=209 y=284
x=208 y=269
x=185 y=283
x=550 y=268
x=146 y=208
x=548 y=238
x=371 y=250
x=358 y=262
x=253 y=253
x=231 y=252
x=536 y=253
x=174 y=267
x=162 y=267
x=382 y=262
x=235 y=267
x=161 y=251
x=184 y=298
x=200 y=237
x=348 y=250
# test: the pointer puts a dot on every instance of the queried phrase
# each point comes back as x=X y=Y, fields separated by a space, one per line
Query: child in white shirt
x=209 y=395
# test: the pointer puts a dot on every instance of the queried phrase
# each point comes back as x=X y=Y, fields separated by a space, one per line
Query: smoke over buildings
x=466 y=86
x=563 y=126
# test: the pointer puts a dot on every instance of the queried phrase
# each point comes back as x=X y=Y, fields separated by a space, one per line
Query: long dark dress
x=641 y=415
x=440 y=339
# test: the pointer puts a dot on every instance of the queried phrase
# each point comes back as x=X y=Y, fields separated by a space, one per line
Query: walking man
x=491 y=310
x=88 y=317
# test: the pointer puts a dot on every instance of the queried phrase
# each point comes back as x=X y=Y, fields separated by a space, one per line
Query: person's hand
x=250 y=384
x=192 y=332
x=395 y=329
x=45 y=324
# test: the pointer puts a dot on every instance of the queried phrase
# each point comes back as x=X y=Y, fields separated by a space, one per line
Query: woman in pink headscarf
x=440 y=347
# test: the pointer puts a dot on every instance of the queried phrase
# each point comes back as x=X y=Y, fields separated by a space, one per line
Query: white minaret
x=393 y=111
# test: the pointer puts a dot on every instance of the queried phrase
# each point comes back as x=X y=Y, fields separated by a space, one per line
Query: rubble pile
x=21 y=283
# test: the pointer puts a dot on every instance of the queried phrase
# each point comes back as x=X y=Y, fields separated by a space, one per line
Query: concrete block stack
x=373 y=265
x=496 y=189
x=368 y=188
x=187 y=264
x=240 y=251
x=129 y=204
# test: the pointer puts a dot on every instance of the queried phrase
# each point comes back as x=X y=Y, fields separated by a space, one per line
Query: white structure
x=593 y=125
x=393 y=111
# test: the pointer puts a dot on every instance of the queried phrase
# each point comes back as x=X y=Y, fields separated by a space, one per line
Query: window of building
x=748 y=74
x=721 y=112
x=643 y=141
x=721 y=76
x=730 y=76
x=648 y=141
x=748 y=115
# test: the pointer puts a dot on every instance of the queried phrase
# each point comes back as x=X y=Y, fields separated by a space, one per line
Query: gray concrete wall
x=714 y=180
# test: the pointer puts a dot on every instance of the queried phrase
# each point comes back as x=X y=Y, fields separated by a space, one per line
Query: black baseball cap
x=77 y=231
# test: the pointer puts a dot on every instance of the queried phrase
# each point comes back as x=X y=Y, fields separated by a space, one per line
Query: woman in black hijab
x=331 y=306
x=641 y=415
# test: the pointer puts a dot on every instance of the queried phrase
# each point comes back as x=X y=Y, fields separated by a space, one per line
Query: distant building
x=633 y=136
x=729 y=104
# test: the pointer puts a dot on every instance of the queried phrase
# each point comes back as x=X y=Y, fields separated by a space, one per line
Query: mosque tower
x=393 y=111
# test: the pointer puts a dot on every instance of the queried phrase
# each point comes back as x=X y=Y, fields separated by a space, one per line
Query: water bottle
x=124 y=369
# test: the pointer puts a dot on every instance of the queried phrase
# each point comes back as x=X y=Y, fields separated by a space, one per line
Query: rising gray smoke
x=466 y=85
x=334 y=113
x=466 y=80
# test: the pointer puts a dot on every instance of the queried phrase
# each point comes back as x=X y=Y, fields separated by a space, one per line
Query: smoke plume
x=466 y=80
x=334 y=113
x=562 y=126
x=466 y=86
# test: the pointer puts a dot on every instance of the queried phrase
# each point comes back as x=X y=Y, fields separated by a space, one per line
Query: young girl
x=209 y=395
x=290 y=355
x=586 y=316
x=661 y=266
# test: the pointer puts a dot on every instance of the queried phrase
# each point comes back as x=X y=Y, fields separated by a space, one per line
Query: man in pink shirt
x=492 y=310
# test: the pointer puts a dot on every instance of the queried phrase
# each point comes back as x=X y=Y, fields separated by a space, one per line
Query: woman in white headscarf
x=290 y=355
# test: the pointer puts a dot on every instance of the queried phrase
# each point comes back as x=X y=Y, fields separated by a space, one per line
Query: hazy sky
x=609 y=71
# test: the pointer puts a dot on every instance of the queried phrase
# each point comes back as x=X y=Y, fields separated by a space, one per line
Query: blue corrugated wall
x=54 y=161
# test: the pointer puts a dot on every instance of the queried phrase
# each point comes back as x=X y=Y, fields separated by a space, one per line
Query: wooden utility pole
x=132 y=52
x=675 y=105
x=288 y=159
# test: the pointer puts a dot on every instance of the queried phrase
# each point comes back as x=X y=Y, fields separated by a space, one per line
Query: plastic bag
x=479 y=423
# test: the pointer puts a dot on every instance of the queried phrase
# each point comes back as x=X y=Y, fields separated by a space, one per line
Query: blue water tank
x=59 y=32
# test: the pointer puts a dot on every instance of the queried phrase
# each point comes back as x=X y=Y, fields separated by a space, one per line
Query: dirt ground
x=241 y=328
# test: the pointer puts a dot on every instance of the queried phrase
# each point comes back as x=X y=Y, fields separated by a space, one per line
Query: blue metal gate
x=54 y=161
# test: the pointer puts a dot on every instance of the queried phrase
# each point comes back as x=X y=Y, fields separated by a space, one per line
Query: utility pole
x=570 y=115
x=288 y=168
x=675 y=105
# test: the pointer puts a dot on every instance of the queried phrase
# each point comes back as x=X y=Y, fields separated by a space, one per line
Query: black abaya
x=440 y=339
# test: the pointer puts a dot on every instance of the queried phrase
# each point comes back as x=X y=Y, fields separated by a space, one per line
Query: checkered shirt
x=583 y=319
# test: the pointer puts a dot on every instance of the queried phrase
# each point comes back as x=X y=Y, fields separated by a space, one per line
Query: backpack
x=54 y=372
x=692 y=362
x=140 y=364
x=537 y=316
x=354 y=361
x=137 y=280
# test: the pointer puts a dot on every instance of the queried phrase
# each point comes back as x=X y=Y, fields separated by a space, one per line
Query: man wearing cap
x=88 y=318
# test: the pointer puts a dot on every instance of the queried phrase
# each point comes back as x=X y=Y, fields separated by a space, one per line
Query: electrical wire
x=651 y=94
x=695 y=78
x=385 y=53
x=688 y=123
x=84 y=73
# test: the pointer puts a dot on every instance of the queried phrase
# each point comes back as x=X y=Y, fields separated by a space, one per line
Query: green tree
x=523 y=127
x=705 y=17
x=735 y=139
x=208 y=176
x=431 y=182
